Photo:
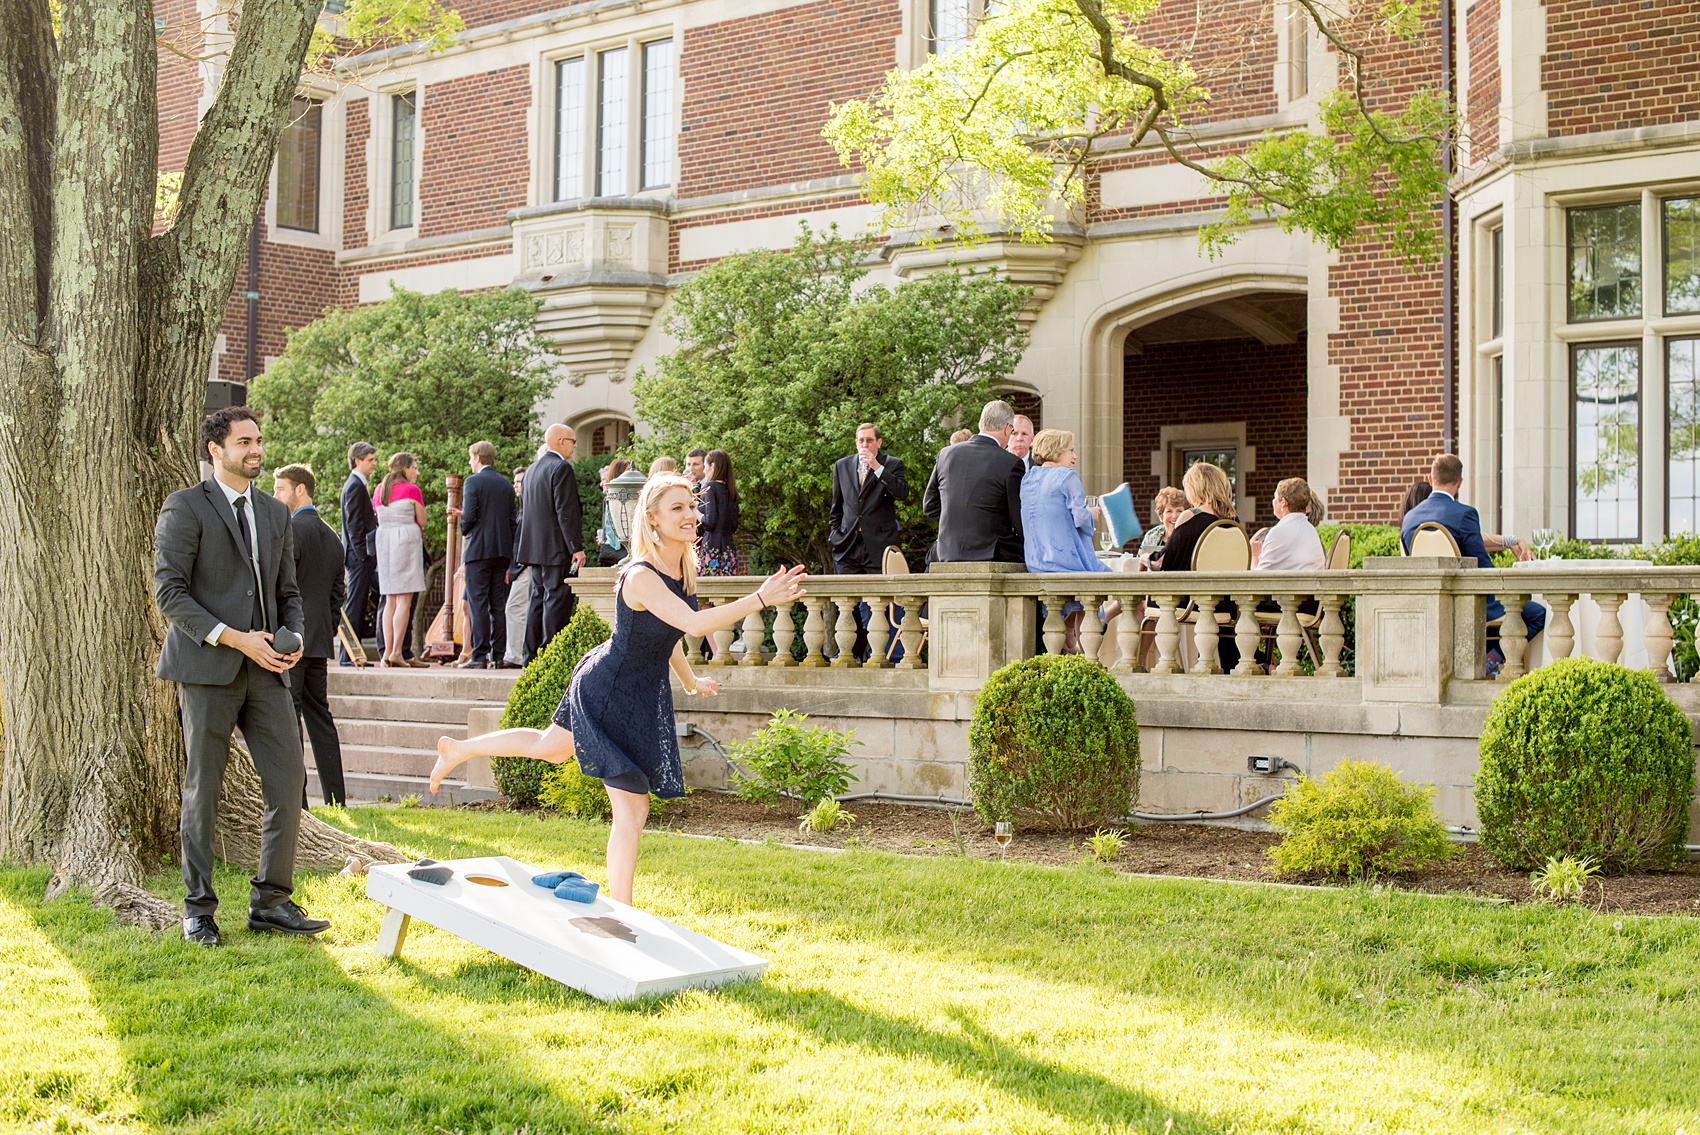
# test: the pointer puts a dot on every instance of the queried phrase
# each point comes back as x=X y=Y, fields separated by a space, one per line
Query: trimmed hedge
x=1357 y=820
x=1053 y=742
x=540 y=688
x=1585 y=758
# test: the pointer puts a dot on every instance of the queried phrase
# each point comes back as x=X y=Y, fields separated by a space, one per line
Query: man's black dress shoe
x=201 y=930
x=504 y=664
x=286 y=918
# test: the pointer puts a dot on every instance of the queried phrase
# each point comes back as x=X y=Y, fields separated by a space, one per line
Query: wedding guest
x=1292 y=544
x=663 y=464
x=695 y=464
x=1415 y=495
x=1211 y=496
x=552 y=542
x=1021 y=440
x=960 y=436
x=318 y=575
x=401 y=552
x=867 y=487
x=717 y=553
x=1056 y=525
x=975 y=494
x=609 y=549
x=486 y=519
x=519 y=591
x=617 y=715
x=359 y=541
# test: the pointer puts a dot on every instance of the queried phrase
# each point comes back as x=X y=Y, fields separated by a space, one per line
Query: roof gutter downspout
x=1448 y=256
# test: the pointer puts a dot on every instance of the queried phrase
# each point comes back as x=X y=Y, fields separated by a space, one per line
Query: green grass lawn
x=904 y=995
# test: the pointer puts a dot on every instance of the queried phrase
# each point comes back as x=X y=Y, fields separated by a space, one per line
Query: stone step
x=367 y=787
x=397 y=734
x=362 y=707
x=390 y=760
x=437 y=682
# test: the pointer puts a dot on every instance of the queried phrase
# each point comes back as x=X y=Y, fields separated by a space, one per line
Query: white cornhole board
x=604 y=948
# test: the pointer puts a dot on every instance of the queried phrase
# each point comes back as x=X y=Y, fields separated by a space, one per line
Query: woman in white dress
x=401 y=552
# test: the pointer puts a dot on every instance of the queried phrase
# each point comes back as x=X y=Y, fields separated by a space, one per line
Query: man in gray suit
x=223 y=573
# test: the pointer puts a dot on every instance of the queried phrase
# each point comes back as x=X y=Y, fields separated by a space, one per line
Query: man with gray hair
x=975 y=494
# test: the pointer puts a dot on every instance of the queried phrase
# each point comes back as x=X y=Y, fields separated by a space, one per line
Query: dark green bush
x=532 y=702
x=788 y=757
x=1053 y=742
x=1585 y=758
x=1359 y=819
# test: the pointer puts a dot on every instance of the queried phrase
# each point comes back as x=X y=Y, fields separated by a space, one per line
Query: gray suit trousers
x=260 y=705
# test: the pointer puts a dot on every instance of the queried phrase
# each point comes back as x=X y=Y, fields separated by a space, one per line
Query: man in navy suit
x=486 y=519
x=318 y=576
x=1442 y=507
x=359 y=539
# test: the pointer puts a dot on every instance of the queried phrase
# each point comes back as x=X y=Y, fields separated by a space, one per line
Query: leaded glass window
x=948 y=25
x=657 y=113
x=402 y=161
x=1682 y=255
x=1606 y=380
x=611 y=123
x=298 y=168
x=1605 y=262
x=569 y=129
x=1682 y=380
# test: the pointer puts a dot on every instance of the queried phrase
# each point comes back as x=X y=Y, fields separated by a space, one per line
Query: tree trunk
x=106 y=336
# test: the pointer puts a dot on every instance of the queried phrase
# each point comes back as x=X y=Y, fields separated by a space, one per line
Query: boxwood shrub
x=532 y=702
x=1585 y=758
x=1357 y=820
x=1054 y=742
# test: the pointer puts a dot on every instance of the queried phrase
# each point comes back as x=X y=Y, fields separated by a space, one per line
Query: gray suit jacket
x=202 y=579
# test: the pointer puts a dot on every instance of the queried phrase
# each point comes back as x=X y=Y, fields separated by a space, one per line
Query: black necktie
x=248 y=551
x=242 y=527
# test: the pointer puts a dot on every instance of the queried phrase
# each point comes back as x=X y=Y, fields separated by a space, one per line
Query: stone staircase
x=389 y=722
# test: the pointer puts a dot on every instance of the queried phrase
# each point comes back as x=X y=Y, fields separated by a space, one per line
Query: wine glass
x=1545 y=540
x=1003 y=833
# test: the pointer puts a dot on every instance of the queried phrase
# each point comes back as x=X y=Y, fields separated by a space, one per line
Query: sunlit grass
x=904 y=995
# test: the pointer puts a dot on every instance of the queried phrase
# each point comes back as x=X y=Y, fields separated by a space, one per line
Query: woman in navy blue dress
x=617 y=715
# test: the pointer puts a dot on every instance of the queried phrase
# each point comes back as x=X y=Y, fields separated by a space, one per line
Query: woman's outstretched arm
x=644 y=591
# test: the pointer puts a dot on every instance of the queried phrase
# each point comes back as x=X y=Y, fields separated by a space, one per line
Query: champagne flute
x=1003 y=833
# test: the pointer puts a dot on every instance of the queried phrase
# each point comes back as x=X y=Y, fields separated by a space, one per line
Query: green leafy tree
x=429 y=374
x=782 y=355
x=1006 y=124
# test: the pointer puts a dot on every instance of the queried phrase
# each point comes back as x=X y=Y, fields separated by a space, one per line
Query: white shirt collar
x=231 y=494
x=1443 y=493
x=362 y=477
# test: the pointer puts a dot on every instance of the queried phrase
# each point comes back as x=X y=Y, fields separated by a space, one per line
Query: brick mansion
x=598 y=153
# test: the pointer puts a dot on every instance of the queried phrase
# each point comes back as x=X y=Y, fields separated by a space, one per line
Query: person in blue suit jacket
x=1443 y=507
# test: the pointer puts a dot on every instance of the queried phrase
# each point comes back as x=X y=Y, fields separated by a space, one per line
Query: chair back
x=1431 y=539
x=1340 y=552
x=1223 y=546
x=893 y=562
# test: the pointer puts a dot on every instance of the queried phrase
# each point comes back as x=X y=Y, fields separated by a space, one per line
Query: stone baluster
x=1513 y=638
x=814 y=632
x=1091 y=628
x=1246 y=635
x=879 y=632
x=844 y=632
x=1659 y=636
x=693 y=648
x=1608 y=636
x=910 y=632
x=1055 y=630
x=784 y=634
x=1129 y=629
x=1288 y=637
x=722 y=647
x=1168 y=636
x=1333 y=637
x=1561 y=632
x=1206 y=632
x=755 y=630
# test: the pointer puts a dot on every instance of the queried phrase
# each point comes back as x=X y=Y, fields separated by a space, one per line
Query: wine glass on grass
x=1003 y=833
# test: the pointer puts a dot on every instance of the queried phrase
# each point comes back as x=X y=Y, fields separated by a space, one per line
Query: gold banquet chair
x=1431 y=539
x=893 y=562
x=1339 y=558
x=1222 y=546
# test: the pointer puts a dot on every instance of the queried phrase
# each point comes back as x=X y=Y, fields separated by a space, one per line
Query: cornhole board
x=607 y=949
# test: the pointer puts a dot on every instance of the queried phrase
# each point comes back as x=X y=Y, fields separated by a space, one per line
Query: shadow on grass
x=267 y=1034
x=976 y=1056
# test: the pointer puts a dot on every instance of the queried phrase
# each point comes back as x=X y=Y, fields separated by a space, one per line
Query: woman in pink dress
x=401 y=552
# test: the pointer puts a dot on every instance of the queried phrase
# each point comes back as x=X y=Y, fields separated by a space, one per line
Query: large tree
x=997 y=131
x=106 y=336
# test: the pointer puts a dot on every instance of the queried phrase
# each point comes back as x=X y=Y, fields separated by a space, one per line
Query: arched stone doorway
x=601 y=432
x=1221 y=381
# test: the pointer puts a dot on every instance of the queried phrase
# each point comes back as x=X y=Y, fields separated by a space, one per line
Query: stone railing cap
x=974 y=568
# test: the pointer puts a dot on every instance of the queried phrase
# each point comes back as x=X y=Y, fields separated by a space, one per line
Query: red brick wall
x=355 y=192
x=1226 y=380
x=757 y=89
x=476 y=151
x=296 y=285
x=477 y=13
x=1232 y=50
x=179 y=82
x=1481 y=27
x=1614 y=64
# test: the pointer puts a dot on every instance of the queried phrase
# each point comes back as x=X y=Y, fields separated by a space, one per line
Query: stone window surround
x=543 y=109
x=1322 y=62
x=381 y=119
x=332 y=149
x=1202 y=435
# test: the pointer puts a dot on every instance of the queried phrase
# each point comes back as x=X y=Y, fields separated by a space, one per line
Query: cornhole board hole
x=604 y=948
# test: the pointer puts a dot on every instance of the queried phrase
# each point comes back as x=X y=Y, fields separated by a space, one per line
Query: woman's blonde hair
x=1207 y=487
x=645 y=541
x=1050 y=445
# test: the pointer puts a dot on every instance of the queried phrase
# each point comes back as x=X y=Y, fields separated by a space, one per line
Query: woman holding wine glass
x=617 y=715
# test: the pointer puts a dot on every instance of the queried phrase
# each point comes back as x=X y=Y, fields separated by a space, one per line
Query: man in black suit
x=223 y=573
x=1021 y=440
x=866 y=489
x=318 y=575
x=359 y=539
x=975 y=494
x=486 y=518
x=551 y=537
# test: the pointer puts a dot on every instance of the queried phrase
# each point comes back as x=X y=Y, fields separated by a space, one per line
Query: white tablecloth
x=1585 y=615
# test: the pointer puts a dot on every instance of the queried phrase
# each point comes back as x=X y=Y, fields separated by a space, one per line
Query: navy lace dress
x=619 y=706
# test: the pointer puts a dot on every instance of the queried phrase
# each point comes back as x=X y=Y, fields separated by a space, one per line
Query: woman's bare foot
x=447 y=761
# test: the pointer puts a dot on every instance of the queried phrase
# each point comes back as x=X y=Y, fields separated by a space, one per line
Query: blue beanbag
x=549 y=880
x=576 y=890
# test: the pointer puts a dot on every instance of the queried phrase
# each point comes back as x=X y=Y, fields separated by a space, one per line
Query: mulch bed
x=1196 y=850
